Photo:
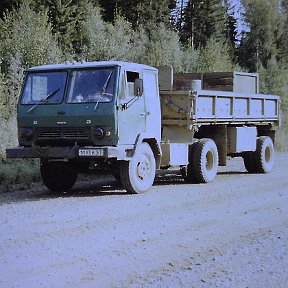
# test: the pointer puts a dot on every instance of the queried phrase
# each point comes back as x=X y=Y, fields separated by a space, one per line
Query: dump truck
x=132 y=120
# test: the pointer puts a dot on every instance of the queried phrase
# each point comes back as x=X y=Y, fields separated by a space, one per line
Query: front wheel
x=58 y=176
x=137 y=175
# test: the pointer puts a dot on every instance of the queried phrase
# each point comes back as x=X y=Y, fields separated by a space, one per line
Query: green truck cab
x=84 y=117
x=131 y=119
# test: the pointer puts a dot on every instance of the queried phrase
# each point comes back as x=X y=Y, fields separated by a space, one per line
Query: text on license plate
x=91 y=152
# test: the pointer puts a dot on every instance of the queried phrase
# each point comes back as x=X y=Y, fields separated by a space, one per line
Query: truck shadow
x=92 y=187
x=107 y=186
x=168 y=179
x=233 y=173
x=83 y=188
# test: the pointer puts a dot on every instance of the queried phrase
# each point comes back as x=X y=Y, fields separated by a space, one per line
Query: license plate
x=91 y=152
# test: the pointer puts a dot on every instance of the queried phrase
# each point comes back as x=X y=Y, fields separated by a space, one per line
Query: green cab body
x=92 y=118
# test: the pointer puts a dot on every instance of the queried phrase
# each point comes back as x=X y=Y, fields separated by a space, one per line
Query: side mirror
x=138 y=87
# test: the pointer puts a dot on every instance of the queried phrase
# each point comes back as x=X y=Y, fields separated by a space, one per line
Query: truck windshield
x=44 y=87
x=93 y=85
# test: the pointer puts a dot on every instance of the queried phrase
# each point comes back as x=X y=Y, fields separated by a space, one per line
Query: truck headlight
x=26 y=133
x=99 y=133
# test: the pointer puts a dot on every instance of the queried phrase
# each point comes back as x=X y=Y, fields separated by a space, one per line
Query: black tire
x=138 y=174
x=204 y=162
x=249 y=162
x=116 y=175
x=189 y=172
x=58 y=176
x=264 y=154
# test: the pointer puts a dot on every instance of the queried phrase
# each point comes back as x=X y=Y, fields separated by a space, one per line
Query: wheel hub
x=143 y=168
x=209 y=160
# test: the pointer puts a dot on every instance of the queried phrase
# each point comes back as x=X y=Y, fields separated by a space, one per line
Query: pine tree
x=230 y=23
x=144 y=12
x=201 y=21
x=283 y=41
x=7 y=6
x=261 y=43
x=65 y=16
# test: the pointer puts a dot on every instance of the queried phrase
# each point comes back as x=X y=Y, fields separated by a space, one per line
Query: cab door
x=152 y=104
x=131 y=109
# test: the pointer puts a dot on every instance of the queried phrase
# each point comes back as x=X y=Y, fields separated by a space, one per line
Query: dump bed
x=193 y=104
x=216 y=107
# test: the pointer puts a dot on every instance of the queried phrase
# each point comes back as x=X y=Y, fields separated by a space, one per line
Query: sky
x=240 y=23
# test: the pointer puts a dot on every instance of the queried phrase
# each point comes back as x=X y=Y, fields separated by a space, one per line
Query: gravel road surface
x=232 y=232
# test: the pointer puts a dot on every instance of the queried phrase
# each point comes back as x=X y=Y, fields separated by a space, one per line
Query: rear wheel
x=264 y=154
x=249 y=162
x=137 y=175
x=58 y=176
x=188 y=172
x=262 y=160
x=204 y=161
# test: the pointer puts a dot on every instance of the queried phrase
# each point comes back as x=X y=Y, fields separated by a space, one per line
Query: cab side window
x=131 y=76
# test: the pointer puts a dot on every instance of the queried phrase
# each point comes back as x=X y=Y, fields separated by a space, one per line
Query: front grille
x=75 y=133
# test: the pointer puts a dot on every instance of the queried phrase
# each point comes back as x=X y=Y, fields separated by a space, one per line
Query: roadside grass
x=18 y=172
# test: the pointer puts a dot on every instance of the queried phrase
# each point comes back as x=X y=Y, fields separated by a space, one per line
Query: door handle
x=145 y=114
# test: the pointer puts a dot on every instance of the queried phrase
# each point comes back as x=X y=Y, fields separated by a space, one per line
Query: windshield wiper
x=44 y=99
x=106 y=83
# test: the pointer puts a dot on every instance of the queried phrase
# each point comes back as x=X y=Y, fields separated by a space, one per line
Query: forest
x=190 y=35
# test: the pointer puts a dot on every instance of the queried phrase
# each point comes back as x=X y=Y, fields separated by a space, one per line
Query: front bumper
x=123 y=152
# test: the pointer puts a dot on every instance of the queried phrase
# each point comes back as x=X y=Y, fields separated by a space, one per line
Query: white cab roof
x=78 y=65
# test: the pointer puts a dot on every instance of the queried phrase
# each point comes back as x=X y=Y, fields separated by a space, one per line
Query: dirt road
x=232 y=232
